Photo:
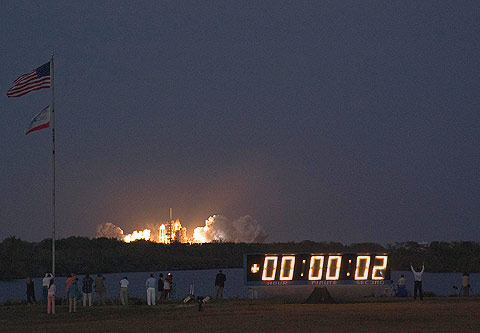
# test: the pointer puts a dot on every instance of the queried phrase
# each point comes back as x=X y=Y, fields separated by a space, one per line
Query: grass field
x=376 y=315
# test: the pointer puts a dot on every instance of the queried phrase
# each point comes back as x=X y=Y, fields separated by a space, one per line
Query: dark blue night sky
x=348 y=121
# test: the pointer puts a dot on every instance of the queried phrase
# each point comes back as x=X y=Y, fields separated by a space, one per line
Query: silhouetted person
x=87 y=289
x=30 y=291
x=220 y=283
x=417 y=276
x=73 y=293
x=160 y=291
x=465 y=284
x=100 y=288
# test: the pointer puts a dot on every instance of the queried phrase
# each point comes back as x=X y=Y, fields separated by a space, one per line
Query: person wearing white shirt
x=417 y=276
x=402 y=287
x=124 y=291
x=151 y=284
x=51 y=297
x=45 y=284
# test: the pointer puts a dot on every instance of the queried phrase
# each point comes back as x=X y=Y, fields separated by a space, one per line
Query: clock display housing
x=269 y=269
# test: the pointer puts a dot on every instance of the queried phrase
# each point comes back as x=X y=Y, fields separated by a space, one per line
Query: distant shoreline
x=81 y=255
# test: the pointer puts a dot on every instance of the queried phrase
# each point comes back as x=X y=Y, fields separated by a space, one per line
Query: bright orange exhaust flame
x=166 y=233
x=216 y=228
x=136 y=235
x=172 y=231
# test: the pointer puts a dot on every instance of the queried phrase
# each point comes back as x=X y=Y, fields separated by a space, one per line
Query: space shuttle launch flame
x=136 y=235
x=216 y=228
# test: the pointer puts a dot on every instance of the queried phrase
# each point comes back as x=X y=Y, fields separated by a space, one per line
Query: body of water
x=204 y=284
x=203 y=281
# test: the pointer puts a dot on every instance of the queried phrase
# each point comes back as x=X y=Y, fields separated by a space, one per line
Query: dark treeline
x=80 y=255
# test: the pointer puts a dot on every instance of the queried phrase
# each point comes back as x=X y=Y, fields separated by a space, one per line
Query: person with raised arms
x=417 y=276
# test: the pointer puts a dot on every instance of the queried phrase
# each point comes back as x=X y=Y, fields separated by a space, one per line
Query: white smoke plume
x=109 y=230
x=219 y=228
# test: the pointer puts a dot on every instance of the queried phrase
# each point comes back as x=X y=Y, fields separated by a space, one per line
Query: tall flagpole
x=52 y=122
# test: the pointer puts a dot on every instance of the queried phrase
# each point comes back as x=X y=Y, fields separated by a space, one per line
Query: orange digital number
x=316 y=268
x=286 y=270
x=333 y=267
x=363 y=266
x=269 y=268
x=377 y=272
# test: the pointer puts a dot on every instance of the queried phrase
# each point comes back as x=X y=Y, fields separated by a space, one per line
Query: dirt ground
x=377 y=315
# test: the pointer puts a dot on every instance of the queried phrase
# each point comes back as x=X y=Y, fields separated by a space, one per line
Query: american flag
x=37 y=79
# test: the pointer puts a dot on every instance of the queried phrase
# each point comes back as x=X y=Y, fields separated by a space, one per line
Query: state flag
x=40 y=121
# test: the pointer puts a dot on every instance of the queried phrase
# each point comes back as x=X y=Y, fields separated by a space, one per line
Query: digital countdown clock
x=316 y=268
x=355 y=274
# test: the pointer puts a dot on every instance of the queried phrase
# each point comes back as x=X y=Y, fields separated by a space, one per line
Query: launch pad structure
x=172 y=231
